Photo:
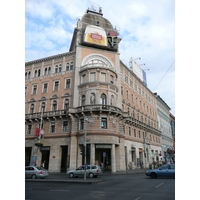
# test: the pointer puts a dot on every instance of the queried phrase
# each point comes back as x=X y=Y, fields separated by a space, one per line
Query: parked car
x=35 y=172
x=167 y=170
x=92 y=171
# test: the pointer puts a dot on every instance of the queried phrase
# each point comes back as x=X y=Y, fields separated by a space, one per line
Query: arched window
x=71 y=66
x=66 y=104
x=32 y=109
x=83 y=100
x=38 y=72
x=45 y=71
x=60 y=68
x=56 y=69
x=128 y=112
x=103 y=99
x=43 y=107
x=54 y=105
x=29 y=75
x=67 y=67
x=35 y=74
x=25 y=75
x=49 y=70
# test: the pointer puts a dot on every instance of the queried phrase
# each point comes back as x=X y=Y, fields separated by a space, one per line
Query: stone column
x=137 y=156
x=73 y=152
x=113 y=161
x=92 y=155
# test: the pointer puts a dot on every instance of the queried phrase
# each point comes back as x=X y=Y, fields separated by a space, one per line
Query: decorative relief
x=91 y=121
x=114 y=122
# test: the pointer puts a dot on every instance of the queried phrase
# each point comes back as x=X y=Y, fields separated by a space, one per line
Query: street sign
x=87 y=138
x=104 y=154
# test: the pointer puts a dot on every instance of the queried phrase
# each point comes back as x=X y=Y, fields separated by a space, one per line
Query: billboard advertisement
x=95 y=35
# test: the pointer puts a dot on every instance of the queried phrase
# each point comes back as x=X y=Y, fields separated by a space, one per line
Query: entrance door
x=64 y=159
x=104 y=156
x=45 y=156
x=28 y=156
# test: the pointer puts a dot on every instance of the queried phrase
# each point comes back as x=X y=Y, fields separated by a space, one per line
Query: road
x=134 y=187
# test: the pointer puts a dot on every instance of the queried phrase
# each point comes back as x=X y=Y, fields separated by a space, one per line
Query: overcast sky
x=147 y=29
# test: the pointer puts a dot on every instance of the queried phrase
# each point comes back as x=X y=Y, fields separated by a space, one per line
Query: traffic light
x=82 y=150
x=88 y=149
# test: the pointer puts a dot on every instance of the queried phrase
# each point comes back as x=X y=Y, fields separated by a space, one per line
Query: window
x=39 y=73
x=104 y=123
x=136 y=101
x=128 y=112
x=122 y=92
x=67 y=67
x=68 y=81
x=139 y=134
x=123 y=107
x=92 y=76
x=111 y=79
x=66 y=104
x=29 y=129
x=82 y=124
x=35 y=74
x=103 y=77
x=29 y=75
x=49 y=70
x=140 y=103
x=142 y=118
x=54 y=108
x=25 y=75
x=124 y=129
x=52 y=127
x=129 y=131
x=43 y=107
x=65 y=126
x=132 y=98
x=127 y=94
x=144 y=105
x=150 y=138
x=133 y=114
x=131 y=83
x=126 y=79
x=83 y=78
x=147 y=109
x=103 y=99
x=83 y=100
x=45 y=71
x=60 y=68
x=71 y=66
x=25 y=91
x=45 y=87
x=112 y=100
x=56 y=69
x=34 y=89
x=32 y=109
x=56 y=85
x=134 y=132
x=138 y=116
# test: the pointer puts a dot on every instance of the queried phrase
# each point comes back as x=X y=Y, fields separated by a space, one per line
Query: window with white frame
x=92 y=76
x=132 y=98
x=29 y=75
x=83 y=100
x=129 y=131
x=45 y=71
x=29 y=129
x=134 y=132
x=56 y=85
x=34 y=91
x=38 y=72
x=127 y=94
x=35 y=75
x=56 y=69
x=54 y=106
x=68 y=83
x=83 y=78
x=66 y=106
x=103 y=77
x=43 y=105
x=60 y=68
x=67 y=67
x=49 y=72
x=111 y=79
x=32 y=108
x=45 y=87
x=71 y=66
x=104 y=123
x=65 y=126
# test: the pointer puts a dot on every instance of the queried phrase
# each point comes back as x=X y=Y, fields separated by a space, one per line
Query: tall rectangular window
x=104 y=123
x=127 y=94
x=29 y=129
x=34 y=89
x=92 y=76
x=56 y=85
x=111 y=79
x=134 y=132
x=68 y=83
x=52 y=127
x=129 y=131
x=83 y=78
x=65 y=126
x=139 y=134
x=103 y=77
x=45 y=88
x=25 y=91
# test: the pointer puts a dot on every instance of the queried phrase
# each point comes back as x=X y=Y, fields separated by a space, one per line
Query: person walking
x=101 y=167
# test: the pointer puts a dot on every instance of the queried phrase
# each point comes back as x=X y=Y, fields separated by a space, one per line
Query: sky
x=147 y=29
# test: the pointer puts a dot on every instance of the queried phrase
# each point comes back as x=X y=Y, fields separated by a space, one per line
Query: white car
x=35 y=172
x=92 y=171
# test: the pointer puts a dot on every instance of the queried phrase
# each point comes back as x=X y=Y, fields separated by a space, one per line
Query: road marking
x=159 y=185
x=60 y=190
x=97 y=192
x=138 y=198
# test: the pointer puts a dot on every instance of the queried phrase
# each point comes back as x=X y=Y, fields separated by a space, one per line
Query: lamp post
x=85 y=134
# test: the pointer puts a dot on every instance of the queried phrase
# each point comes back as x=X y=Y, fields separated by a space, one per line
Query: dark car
x=167 y=170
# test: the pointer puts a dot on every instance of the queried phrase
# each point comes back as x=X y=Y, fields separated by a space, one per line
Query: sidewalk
x=63 y=178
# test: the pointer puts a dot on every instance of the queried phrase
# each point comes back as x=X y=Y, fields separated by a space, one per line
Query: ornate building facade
x=89 y=89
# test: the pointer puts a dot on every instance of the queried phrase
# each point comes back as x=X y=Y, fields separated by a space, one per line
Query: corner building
x=89 y=86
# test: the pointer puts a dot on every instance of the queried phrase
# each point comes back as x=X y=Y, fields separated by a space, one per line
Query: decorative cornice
x=49 y=58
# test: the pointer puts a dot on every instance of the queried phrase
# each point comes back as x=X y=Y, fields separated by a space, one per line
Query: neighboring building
x=163 y=111
x=90 y=81
x=172 y=123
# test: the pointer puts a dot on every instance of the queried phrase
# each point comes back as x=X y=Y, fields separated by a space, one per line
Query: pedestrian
x=43 y=164
x=141 y=164
x=101 y=167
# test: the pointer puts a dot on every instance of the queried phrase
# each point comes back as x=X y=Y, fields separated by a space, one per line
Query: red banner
x=37 y=132
x=96 y=36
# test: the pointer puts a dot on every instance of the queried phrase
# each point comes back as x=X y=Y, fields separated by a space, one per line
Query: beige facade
x=89 y=82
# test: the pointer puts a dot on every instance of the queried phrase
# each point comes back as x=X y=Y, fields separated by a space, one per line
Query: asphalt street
x=127 y=186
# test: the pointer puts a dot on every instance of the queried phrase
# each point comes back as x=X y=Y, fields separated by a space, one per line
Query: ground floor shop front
x=63 y=154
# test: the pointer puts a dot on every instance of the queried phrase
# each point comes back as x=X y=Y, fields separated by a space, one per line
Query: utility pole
x=85 y=120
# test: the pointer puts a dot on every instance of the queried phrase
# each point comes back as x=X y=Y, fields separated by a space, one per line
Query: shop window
x=104 y=123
